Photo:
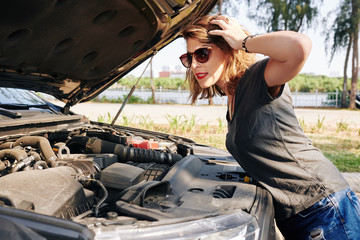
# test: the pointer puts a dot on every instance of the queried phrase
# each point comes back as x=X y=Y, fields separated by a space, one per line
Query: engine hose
x=126 y=153
x=24 y=162
x=6 y=145
x=102 y=200
x=36 y=156
x=16 y=154
x=42 y=143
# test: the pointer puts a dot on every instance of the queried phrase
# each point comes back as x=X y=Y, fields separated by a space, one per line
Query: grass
x=341 y=144
x=341 y=147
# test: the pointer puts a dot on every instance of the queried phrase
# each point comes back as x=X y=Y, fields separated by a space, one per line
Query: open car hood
x=74 y=50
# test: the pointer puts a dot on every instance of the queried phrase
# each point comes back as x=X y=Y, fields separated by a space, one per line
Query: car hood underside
x=74 y=50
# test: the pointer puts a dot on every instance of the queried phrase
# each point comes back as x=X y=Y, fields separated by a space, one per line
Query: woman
x=311 y=198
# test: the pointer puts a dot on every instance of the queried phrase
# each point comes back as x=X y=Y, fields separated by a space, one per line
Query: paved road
x=204 y=114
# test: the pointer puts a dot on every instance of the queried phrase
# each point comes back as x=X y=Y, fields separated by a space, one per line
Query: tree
x=275 y=15
x=355 y=58
x=229 y=7
x=344 y=33
x=340 y=36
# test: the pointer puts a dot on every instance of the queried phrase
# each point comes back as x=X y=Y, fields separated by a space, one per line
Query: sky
x=317 y=63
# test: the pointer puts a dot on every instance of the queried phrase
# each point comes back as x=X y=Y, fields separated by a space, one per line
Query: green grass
x=341 y=144
x=342 y=148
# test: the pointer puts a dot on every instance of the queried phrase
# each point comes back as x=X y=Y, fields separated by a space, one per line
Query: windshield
x=14 y=96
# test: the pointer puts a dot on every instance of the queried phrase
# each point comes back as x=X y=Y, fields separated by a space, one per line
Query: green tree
x=355 y=58
x=275 y=15
x=343 y=33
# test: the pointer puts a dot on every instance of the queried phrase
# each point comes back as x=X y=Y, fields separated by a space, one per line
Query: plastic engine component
x=121 y=176
x=153 y=171
x=52 y=191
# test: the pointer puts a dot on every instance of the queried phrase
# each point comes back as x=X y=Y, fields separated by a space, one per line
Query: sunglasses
x=201 y=55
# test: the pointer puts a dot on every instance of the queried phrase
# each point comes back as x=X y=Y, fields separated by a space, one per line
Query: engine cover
x=52 y=191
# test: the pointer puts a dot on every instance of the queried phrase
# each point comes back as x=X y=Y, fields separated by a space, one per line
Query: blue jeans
x=335 y=217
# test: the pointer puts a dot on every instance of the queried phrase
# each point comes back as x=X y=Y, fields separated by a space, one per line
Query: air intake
x=224 y=192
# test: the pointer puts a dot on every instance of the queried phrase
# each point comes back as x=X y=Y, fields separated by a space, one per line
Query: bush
x=132 y=99
x=165 y=83
x=301 y=83
x=311 y=83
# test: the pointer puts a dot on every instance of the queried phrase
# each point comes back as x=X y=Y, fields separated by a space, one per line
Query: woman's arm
x=287 y=50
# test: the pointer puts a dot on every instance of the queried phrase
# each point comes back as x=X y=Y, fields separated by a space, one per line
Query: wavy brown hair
x=236 y=63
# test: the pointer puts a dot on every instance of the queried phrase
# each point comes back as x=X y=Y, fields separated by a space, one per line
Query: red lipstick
x=201 y=75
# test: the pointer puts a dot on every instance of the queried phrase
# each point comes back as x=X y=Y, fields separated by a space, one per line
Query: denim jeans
x=335 y=217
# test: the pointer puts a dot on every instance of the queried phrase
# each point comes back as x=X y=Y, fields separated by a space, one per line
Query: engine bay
x=58 y=173
x=100 y=176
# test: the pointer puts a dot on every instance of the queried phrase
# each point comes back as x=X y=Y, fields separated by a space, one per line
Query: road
x=208 y=114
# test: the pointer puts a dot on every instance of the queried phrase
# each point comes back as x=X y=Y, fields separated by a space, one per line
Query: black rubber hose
x=126 y=153
x=133 y=154
x=102 y=200
x=77 y=144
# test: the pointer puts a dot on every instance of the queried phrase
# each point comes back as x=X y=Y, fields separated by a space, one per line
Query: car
x=63 y=176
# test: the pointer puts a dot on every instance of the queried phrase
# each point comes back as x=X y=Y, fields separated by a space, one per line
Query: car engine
x=68 y=173
x=70 y=170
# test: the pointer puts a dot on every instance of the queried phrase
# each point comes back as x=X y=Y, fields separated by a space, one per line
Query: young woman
x=311 y=198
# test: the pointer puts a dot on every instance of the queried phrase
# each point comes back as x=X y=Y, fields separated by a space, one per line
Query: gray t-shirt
x=265 y=137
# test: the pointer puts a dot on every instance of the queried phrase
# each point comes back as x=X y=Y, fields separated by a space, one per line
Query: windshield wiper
x=14 y=106
x=44 y=106
x=24 y=106
x=7 y=109
x=10 y=113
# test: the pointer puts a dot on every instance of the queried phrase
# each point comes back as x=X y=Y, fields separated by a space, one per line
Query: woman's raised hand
x=232 y=32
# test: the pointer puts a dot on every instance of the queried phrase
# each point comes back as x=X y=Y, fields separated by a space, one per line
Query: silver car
x=65 y=177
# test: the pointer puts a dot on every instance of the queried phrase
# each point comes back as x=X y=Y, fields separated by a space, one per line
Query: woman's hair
x=237 y=61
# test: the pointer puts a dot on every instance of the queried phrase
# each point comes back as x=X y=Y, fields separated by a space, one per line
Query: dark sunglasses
x=201 y=55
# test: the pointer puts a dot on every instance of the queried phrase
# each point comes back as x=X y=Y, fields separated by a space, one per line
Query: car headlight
x=236 y=225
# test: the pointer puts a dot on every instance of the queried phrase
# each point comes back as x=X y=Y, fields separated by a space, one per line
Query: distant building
x=166 y=72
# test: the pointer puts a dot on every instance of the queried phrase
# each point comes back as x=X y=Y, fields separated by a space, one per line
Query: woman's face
x=208 y=73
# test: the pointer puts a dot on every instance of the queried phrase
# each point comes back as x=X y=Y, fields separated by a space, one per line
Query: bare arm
x=287 y=50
